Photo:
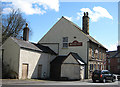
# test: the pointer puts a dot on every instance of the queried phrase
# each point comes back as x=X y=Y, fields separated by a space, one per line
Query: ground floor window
x=108 y=67
x=94 y=66
x=118 y=67
x=91 y=66
x=98 y=66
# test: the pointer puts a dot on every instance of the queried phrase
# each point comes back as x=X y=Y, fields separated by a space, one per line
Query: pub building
x=65 y=52
x=79 y=54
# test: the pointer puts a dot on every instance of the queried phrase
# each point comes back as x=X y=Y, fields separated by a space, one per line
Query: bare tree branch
x=12 y=25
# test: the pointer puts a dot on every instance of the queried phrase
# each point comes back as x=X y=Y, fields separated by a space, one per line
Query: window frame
x=65 y=41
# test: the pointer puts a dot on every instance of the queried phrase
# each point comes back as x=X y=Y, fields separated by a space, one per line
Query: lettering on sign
x=75 y=43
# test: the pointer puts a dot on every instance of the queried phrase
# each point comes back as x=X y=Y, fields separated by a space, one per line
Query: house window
x=98 y=55
x=101 y=55
x=94 y=66
x=118 y=67
x=91 y=66
x=118 y=60
x=108 y=67
x=65 y=42
x=98 y=66
x=92 y=52
x=108 y=60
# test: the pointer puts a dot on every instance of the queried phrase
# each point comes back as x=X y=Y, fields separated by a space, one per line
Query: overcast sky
x=41 y=15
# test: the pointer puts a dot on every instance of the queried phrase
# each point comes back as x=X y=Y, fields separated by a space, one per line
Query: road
x=46 y=83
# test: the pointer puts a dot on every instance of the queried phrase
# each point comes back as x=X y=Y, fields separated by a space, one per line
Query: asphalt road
x=45 y=83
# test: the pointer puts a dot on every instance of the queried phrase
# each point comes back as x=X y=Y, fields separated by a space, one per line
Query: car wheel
x=113 y=80
x=104 y=80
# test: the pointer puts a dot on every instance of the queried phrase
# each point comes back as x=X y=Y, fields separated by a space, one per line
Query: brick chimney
x=26 y=33
x=85 y=27
x=118 y=48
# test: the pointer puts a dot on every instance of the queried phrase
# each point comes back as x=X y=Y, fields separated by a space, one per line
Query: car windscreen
x=105 y=72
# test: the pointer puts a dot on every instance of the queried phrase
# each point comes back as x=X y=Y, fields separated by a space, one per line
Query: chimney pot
x=118 y=48
x=26 y=24
x=85 y=26
x=26 y=33
x=84 y=13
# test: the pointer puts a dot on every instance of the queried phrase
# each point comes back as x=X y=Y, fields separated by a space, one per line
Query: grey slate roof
x=113 y=54
x=88 y=36
x=61 y=59
x=33 y=46
x=76 y=56
x=45 y=49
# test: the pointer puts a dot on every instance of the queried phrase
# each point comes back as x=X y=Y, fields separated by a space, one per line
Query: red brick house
x=113 y=61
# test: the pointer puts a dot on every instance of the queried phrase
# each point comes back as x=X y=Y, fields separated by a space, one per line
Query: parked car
x=102 y=76
x=118 y=77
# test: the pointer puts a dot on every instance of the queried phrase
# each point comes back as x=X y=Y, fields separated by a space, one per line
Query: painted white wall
x=70 y=70
x=11 y=55
x=82 y=71
x=70 y=59
x=33 y=59
x=61 y=29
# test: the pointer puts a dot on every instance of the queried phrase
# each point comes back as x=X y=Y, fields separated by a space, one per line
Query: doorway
x=39 y=71
x=24 y=71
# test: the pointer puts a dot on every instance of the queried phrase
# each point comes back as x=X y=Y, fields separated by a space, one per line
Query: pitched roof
x=61 y=59
x=117 y=54
x=88 y=36
x=113 y=54
x=45 y=49
x=79 y=59
x=32 y=46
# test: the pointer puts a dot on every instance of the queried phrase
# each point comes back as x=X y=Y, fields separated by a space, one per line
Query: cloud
x=6 y=10
x=112 y=47
x=30 y=7
x=97 y=13
x=69 y=18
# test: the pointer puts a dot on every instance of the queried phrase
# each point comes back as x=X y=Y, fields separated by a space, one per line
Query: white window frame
x=65 y=42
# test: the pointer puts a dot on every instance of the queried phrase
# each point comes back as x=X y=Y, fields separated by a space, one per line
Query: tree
x=12 y=25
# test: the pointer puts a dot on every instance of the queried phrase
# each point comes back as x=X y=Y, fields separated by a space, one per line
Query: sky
x=41 y=15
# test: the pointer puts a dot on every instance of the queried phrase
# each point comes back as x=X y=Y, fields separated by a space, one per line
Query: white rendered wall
x=11 y=55
x=33 y=59
x=61 y=29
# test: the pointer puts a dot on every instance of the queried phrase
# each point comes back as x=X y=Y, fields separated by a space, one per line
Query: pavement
x=47 y=83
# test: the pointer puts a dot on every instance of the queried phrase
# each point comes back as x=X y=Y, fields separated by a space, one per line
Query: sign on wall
x=75 y=43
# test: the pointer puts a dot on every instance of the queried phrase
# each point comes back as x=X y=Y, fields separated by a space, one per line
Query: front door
x=24 y=71
x=39 y=71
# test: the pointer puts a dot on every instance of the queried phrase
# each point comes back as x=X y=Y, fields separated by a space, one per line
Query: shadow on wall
x=7 y=73
x=41 y=69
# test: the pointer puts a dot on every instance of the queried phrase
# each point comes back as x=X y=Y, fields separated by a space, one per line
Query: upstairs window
x=108 y=60
x=118 y=60
x=65 y=42
x=108 y=67
x=92 y=52
x=101 y=55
